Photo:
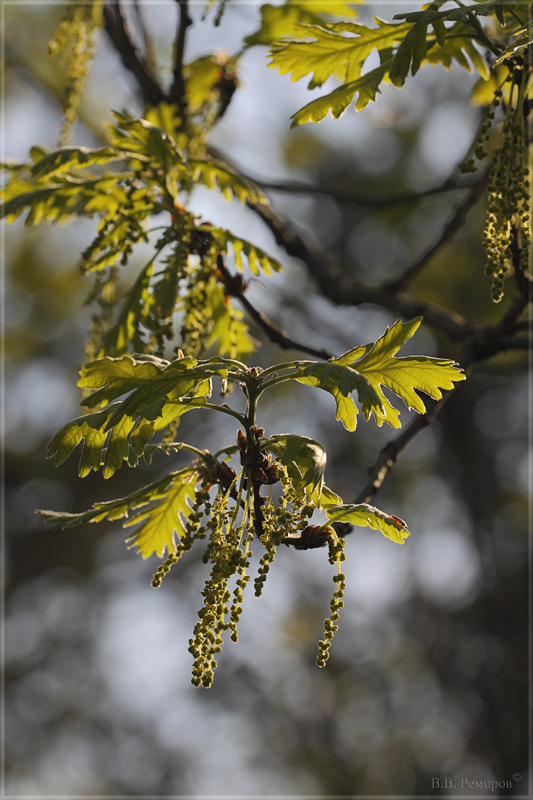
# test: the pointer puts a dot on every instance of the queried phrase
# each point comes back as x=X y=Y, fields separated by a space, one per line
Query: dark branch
x=483 y=344
x=177 y=90
x=344 y=196
x=513 y=343
x=391 y=452
x=451 y=184
x=116 y=29
x=234 y=288
x=343 y=290
x=480 y=343
x=454 y=223
x=147 y=43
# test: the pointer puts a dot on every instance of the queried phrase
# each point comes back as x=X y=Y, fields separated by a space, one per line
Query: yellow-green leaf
x=338 y=101
x=330 y=52
x=278 y=21
x=367 y=516
x=166 y=520
x=404 y=376
x=170 y=498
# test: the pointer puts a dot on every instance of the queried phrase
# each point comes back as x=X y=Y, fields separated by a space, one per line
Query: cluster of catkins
x=230 y=534
x=508 y=221
x=336 y=555
x=73 y=42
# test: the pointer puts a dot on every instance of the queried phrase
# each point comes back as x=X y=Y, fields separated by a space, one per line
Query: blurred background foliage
x=428 y=673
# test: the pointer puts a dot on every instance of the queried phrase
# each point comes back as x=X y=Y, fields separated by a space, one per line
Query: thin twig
x=115 y=26
x=346 y=196
x=393 y=449
x=485 y=344
x=451 y=184
x=147 y=42
x=235 y=289
x=177 y=90
x=343 y=290
x=453 y=224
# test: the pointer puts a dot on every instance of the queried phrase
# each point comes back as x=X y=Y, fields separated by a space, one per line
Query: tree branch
x=234 y=288
x=485 y=343
x=177 y=90
x=343 y=290
x=479 y=343
x=454 y=223
x=147 y=42
x=523 y=325
x=393 y=449
x=295 y=187
x=117 y=31
x=451 y=184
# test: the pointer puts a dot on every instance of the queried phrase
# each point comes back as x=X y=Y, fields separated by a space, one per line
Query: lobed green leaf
x=278 y=21
x=367 y=516
x=330 y=53
x=339 y=99
x=257 y=258
x=216 y=174
x=229 y=334
x=367 y=368
x=161 y=523
x=165 y=521
x=404 y=376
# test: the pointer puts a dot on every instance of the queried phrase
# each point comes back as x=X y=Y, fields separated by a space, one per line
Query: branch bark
x=276 y=335
x=177 y=90
x=343 y=290
x=117 y=30
x=454 y=223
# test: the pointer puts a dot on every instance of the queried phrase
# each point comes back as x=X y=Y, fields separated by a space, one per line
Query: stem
x=229 y=411
x=279 y=367
x=177 y=92
x=229 y=451
x=250 y=416
x=245 y=515
x=280 y=379
x=213 y=407
x=232 y=485
x=258 y=511
x=207 y=457
x=238 y=501
x=483 y=36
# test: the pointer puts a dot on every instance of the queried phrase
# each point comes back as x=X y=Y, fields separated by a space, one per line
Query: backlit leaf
x=338 y=101
x=216 y=174
x=404 y=376
x=307 y=455
x=229 y=334
x=367 y=516
x=164 y=523
x=257 y=258
x=366 y=369
x=330 y=52
x=171 y=498
x=278 y=21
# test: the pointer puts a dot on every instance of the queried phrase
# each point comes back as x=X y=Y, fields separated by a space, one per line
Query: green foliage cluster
x=434 y=36
x=160 y=350
x=150 y=172
x=169 y=512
